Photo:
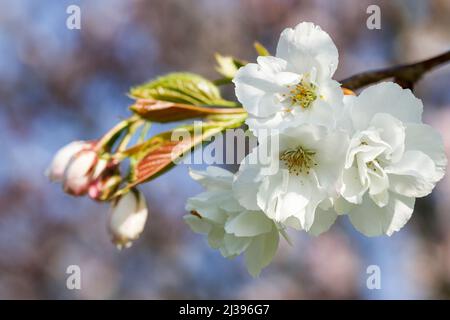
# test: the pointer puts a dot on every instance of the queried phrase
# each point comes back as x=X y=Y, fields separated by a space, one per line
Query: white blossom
x=229 y=227
x=392 y=158
x=298 y=185
x=296 y=85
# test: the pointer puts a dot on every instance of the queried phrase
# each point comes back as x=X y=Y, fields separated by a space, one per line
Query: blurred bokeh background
x=59 y=85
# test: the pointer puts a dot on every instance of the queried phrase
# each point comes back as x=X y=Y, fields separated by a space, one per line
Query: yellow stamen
x=298 y=160
x=303 y=94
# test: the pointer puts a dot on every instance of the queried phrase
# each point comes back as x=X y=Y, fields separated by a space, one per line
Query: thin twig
x=405 y=75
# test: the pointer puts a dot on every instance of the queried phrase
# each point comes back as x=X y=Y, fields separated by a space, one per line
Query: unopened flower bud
x=127 y=218
x=105 y=186
x=62 y=158
x=84 y=167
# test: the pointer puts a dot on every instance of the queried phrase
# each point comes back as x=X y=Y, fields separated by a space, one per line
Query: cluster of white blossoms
x=368 y=156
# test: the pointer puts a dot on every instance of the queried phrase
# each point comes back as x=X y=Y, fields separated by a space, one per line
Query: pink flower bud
x=62 y=158
x=127 y=218
x=103 y=187
x=83 y=169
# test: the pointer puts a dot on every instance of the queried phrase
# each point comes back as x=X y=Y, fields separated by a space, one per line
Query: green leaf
x=227 y=66
x=260 y=49
x=181 y=88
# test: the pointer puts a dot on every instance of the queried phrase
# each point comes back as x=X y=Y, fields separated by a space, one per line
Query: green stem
x=144 y=132
x=105 y=143
x=222 y=81
x=131 y=131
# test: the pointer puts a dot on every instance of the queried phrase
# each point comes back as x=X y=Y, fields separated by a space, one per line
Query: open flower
x=295 y=86
x=231 y=228
x=127 y=218
x=62 y=158
x=392 y=159
x=298 y=183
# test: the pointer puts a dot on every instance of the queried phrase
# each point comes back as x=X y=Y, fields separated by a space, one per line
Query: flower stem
x=105 y=143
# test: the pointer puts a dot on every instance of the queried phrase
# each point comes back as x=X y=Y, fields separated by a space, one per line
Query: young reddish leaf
x=165 y=111
x=157 y=155
x=157 y=160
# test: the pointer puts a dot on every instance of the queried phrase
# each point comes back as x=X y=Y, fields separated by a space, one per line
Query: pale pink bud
x=127 y=218
x=104 y=187
x=83 y=168
x=62 y=158
x=99 y=168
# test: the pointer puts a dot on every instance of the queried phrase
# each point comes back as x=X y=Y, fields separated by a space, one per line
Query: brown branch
x=404 y=75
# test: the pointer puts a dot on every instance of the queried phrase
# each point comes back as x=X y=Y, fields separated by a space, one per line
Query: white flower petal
x=379 y=181
x=244 y=186
x=260 y=126
x=344 y=120
x=231 y=232
x=323 y=220
x=330 y=91
x=255 y=86
x=352 y=189
x=249 y=224
x=197 y=224
x=205 y=204
x=269 y=192
x=127 y=218
x=271 y=65
x=293 y=222
x=261 y=252
x=308 y=45
x=414 y=175
x=212 y=178
x=381 y=199
x=385 y=97
x=215 y=236
x=234 y=245
x=372 y=220
x=342 y=206
x=320 y=113
x=365 y=146
x=330 y=157
x=309 y=215
x=283 y=195
x=425 y=138
x=307 y=135
x=292 y=204
x=392 y=131
x=286 y=78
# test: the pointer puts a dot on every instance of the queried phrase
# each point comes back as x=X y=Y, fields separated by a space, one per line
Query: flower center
x=303 y=94
x=371 y=165
x=298 y=160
